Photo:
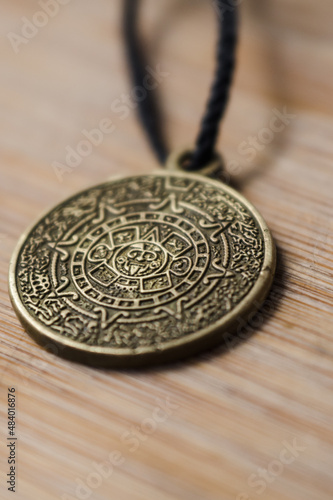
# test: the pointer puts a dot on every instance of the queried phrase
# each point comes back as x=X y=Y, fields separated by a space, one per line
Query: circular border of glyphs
x=160 y=220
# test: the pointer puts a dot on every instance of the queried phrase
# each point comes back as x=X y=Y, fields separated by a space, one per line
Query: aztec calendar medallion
x=141 y=270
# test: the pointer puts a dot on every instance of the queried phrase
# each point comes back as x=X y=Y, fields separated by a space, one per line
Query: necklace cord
x=220 y=90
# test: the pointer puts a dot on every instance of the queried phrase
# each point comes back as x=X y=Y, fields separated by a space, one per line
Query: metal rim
x=111 y=357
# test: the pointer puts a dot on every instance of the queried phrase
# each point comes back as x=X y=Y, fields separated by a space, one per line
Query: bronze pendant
x=142 y=270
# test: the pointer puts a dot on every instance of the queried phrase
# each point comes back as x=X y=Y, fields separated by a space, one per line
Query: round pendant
x=142 y=270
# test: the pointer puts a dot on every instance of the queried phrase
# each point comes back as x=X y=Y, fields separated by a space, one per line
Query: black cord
x=148 y=108
x=218 y=99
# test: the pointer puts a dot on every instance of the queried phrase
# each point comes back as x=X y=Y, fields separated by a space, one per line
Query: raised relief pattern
x=141 y=261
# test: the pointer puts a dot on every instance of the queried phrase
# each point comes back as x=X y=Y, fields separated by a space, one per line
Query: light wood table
x=252 y=422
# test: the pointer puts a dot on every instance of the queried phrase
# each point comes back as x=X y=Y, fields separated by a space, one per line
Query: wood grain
x=233 y=412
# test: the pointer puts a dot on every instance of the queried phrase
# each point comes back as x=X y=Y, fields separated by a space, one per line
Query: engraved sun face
x=142 y=264
x=140 y=258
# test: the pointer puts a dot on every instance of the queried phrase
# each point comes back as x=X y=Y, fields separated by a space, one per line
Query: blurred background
x=63 y=75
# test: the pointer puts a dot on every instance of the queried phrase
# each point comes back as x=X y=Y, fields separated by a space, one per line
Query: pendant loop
x=179 y=161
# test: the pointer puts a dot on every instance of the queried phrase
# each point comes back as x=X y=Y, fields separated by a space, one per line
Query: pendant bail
x=180 y=161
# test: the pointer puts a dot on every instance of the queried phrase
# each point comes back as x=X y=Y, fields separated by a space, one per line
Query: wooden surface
x=231 y=414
